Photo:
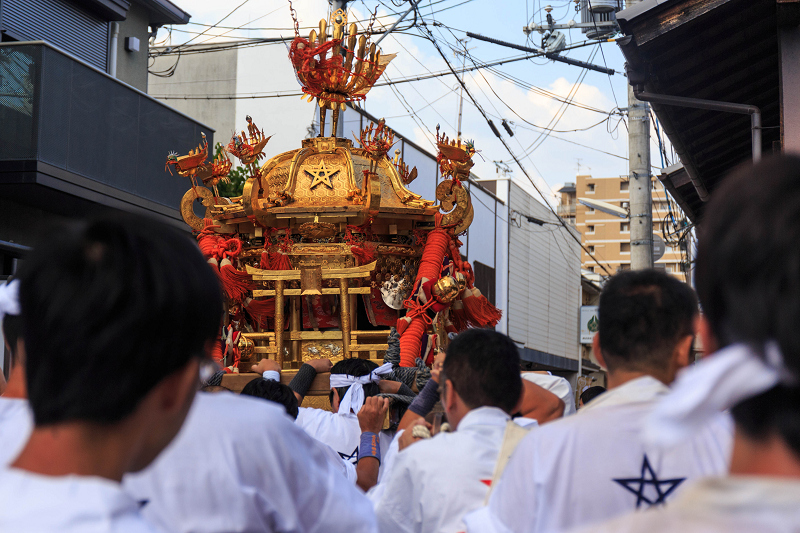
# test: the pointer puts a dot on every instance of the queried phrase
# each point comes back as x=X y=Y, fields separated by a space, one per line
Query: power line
x=519 y=164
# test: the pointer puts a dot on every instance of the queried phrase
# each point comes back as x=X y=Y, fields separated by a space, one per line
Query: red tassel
x=491 y=313
x=479 y=310
x=260 y=310
x=280 y=261
x=365 y=253
x=458 y=316
x=264 y=264
x=235 y=282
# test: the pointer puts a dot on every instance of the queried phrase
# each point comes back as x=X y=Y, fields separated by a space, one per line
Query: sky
x=528 y=94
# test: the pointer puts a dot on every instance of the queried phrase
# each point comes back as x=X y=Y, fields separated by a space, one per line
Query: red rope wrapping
x=217 y=352
x=438 y=242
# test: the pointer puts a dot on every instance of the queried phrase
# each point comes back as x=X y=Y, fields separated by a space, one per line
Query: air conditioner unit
x=602 y=11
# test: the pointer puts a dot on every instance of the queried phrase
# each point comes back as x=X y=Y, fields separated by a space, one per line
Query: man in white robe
x=434 y=482
x=749 y=327
x=339 y=428
x=98 y=316
x=596 y=464
x=241 y=464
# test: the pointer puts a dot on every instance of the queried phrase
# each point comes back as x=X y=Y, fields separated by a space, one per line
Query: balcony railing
x=106 y=138
x=566 y=210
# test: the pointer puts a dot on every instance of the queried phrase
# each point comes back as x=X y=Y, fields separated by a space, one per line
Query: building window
x=623 y=185
x=624 y=247
x=589 y=211
x=591 y=249
x=590 y=269
x=589 y=229
x=590 y=187
x=625 y=227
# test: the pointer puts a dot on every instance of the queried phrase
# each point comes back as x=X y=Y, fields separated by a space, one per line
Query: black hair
x=483 y=366
x=642 y=316
x=748 y=281
x=109 y=308
x=355 y=367
x=214 y=388
x=273 y=391
x=591 y=393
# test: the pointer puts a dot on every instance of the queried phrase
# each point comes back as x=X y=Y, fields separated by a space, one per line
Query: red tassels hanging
x=479 y=310
x=260 y=310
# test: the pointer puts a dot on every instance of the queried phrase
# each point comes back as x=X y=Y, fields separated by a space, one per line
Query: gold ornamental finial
x=336 y=70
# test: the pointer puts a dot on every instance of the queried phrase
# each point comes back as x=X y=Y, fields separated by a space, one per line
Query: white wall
x=544 y=279
x=266 y=69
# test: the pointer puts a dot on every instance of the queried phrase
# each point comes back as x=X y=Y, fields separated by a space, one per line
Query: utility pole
x=640 y=182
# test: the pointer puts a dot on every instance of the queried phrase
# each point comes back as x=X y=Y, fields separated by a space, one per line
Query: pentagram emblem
x=353 y=457
x=638 y=485
x=321 y=174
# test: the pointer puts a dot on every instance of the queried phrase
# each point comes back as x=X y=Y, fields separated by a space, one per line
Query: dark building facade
x=75 y=140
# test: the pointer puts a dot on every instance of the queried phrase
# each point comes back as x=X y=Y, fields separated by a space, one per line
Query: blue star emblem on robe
x=648 y=477
x=353 y=457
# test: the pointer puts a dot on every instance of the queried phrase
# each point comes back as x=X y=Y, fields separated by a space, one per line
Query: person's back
x=748 y=282
x=339 y=428
x=434 y=482
x=116 y=316
x=241 y=464
x=595 y=464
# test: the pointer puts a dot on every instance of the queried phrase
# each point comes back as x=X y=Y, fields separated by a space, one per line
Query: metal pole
x=461 y=88
x=112 y=50
x=390 y=30
x=639 y=179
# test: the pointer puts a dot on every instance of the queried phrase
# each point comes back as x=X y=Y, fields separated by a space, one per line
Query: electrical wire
x=519 y=164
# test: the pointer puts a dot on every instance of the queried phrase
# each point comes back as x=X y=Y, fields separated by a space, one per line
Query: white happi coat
x=16 y=424
x=435 y=482
x=241 y=464
x=593 y=466
x=340 y=432
x=33 y=503
x=719 y=505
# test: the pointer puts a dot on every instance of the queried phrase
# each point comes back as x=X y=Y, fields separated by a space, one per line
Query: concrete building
x=606 y=236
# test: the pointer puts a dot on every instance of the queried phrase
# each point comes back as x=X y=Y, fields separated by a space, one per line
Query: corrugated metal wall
x=544 y=280
x=61 y=23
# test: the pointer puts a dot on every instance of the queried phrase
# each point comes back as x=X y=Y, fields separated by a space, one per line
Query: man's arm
x=305 y=377
x=370 y=419
x=539 y=404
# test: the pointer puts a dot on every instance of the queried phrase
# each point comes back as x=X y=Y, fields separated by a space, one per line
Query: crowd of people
x=108 y=422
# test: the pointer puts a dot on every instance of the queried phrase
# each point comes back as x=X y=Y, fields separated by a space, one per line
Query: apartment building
x=606 y=236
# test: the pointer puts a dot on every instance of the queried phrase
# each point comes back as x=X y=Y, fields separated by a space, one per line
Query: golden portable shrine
x=327 y=249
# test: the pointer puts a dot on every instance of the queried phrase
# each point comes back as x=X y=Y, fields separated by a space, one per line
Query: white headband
x=9 y=299
x=713 y=385
x=354 y=398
